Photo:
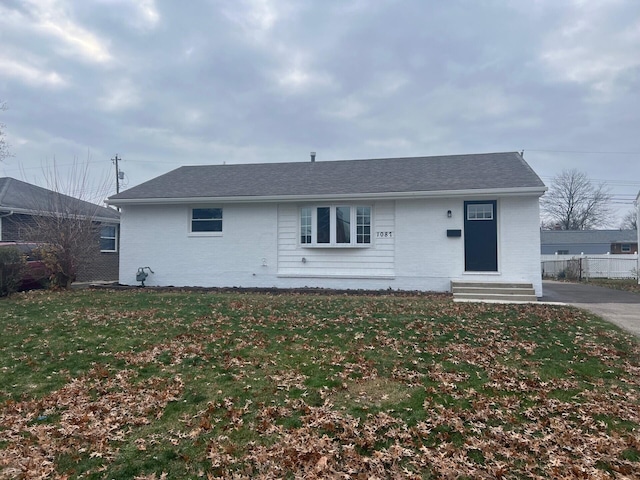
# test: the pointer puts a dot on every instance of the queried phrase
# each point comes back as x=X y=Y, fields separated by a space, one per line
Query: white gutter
x=475 y=193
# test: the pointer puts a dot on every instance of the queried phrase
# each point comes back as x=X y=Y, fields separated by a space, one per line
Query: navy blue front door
x=480 y=236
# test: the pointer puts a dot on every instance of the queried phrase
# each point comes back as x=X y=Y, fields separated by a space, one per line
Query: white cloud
x=348 y=108
x=589 y=51
x=148 y=12
x=255 y=17
x=296 y=78
x=388 y=83
x=30 y=74
x=52 y=18
x=394 y=144
x=141 y=14
x=473 y=104
x=121 y=96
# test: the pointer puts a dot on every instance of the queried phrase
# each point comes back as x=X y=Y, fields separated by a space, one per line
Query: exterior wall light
x=448 y=213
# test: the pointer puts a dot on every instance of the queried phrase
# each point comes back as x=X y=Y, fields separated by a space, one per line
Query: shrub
x=12 y=268
x=61 y=264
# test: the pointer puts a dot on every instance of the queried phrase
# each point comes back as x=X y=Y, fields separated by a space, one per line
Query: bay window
x=335 y=226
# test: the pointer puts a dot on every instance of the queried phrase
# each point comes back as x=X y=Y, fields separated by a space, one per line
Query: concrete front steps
x=493 y=292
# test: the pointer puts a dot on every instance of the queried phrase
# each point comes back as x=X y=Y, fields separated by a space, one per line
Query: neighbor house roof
x=584 y=237
x=488 y=173
x=21 y=197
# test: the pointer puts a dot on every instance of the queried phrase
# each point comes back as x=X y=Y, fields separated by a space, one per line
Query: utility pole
x=115 y=161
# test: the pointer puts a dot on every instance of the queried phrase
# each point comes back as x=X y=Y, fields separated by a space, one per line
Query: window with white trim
x=363 y=225
x=108 y=238
x=335 y=226
x=480 y=211
x=206 y=220
x=305 y=225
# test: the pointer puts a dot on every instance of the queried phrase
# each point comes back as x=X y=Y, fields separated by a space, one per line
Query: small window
x=108 y=238
x=480 y=211
x=305 y=225
x=625 y=248
x=206 y=220
x=363 y=225
x=562 y=252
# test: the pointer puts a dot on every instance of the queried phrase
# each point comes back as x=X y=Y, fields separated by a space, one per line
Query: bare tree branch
x=575 y=203
x=67 y=225
x=630 y=220
x=4 y=146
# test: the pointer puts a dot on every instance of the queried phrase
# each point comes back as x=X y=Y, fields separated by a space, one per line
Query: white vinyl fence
x=590 y=266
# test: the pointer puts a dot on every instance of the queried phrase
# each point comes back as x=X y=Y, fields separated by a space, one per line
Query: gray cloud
x=164 y=83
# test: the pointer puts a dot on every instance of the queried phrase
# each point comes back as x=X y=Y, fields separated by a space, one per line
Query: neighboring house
x=638 y=230
x=397 y=223
x=21 y=201
x=589 y=242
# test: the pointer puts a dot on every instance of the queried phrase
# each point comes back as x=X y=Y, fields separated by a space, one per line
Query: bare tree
x=67 y=225
x=630 y=220
x=575 y=203
x=4 y=146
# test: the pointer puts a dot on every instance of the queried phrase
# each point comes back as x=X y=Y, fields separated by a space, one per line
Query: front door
x=480 y=236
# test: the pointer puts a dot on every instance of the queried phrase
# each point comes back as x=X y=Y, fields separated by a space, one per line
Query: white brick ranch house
x=400 y=223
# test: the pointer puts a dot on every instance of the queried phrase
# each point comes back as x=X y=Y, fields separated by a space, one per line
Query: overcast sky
x=164 y=83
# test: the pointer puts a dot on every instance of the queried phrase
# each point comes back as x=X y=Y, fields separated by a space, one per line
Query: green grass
x=141 y=384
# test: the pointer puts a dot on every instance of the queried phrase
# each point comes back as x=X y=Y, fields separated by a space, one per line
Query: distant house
x=21 y=201
x=638 y=229
x=589 y=242
x=396 y=223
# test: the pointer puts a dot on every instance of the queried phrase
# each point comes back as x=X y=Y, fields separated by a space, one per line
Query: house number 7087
x=384 y=234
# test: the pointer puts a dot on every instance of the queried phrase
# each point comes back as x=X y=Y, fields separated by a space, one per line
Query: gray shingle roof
x=23 y=197
x=375 y=176
x=584 y=237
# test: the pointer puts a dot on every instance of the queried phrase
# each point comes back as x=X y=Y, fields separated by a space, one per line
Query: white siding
x=429 y=260
x=426 y=257
x=158 y=237
x=519 y=241
x=375 y=260
x=259 y=247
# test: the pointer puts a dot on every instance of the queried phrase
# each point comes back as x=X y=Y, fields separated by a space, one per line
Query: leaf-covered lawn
x=151 y=385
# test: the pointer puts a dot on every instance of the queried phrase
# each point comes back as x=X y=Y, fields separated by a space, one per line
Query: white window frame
x=114 y=238
x=333 y=241
x=479 y=211
x=206 y=233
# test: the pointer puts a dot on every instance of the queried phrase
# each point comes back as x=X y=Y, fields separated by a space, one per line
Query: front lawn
x=150 y=385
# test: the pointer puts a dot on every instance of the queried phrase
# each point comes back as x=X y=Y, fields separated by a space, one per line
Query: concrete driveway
x=618 y=307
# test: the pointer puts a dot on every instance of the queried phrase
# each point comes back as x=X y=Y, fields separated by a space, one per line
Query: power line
x=589 y=152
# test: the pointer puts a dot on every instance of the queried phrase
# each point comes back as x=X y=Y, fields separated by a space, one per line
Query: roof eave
x=492 y=192
x=27 y=211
